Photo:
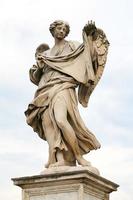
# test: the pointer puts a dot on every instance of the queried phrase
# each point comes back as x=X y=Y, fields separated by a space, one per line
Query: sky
x=23 y=26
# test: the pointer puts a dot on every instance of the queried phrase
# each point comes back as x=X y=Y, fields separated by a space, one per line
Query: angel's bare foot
x=82 y=161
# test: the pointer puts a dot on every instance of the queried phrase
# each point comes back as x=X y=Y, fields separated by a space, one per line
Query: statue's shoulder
x=74 y=44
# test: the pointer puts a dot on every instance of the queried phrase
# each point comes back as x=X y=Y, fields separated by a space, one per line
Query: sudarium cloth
x=57 y=81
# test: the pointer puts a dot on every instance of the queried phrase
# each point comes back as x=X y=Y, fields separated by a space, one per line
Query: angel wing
x=101 y=44
x=41 y=48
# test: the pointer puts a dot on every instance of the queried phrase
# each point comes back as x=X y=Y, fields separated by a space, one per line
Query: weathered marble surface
x=53 y=113
x=75 y=183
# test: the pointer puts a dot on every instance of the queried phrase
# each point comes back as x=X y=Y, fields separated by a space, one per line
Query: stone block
x=65 y=183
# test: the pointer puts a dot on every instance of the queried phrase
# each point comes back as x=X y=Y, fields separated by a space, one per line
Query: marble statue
x=53 y=114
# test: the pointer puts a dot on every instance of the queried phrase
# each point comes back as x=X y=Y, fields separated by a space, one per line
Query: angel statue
x=53 y=114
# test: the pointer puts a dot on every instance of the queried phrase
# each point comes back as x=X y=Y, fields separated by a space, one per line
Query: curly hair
x=56 y=23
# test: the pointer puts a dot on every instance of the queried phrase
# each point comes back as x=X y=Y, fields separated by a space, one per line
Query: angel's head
x=59 y=29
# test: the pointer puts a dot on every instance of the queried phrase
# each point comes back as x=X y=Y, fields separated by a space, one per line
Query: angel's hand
x=90 y=29
x=40 y=64
x=39 y=57
x=39 y=61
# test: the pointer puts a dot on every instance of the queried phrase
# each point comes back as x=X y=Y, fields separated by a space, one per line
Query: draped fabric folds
x=58 y=80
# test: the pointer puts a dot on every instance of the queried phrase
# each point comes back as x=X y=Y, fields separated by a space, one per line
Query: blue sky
x=24 y=25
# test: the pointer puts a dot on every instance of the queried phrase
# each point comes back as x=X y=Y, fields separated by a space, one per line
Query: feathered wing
x=101 y=44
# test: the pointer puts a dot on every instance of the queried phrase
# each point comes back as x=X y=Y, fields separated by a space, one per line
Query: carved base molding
x=65 y=183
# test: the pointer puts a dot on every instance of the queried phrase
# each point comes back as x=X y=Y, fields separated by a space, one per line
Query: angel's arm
x=91 y=32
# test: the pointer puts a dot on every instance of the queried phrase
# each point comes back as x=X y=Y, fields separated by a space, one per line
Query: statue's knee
x=61 y=122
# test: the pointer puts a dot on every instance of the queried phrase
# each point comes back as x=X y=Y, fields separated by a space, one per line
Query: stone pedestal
x=65 y=183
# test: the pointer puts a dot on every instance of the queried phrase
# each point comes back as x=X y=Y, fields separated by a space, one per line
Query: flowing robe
x=58 y=79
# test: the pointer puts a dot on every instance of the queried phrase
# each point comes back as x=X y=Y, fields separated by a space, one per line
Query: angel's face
x=60 y=31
